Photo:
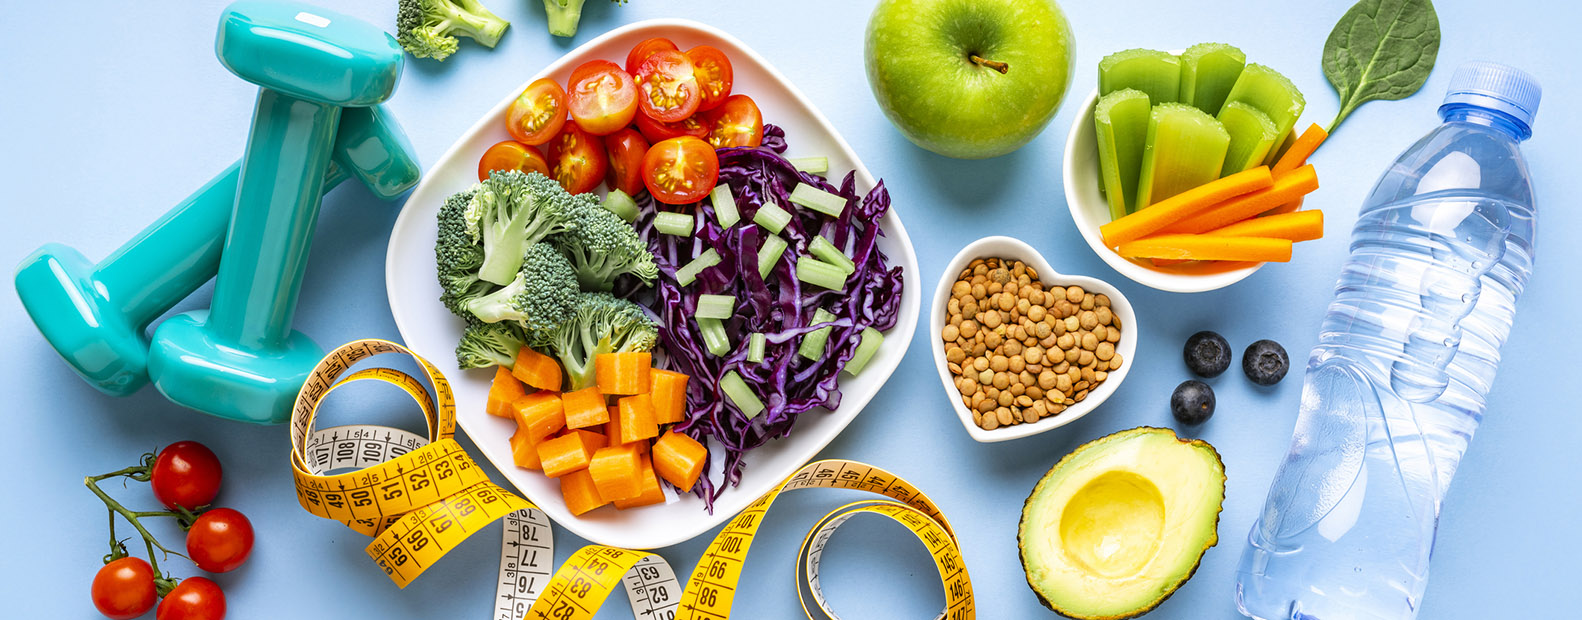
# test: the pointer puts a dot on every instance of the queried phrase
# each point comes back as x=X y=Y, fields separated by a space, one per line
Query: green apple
x=969 y=78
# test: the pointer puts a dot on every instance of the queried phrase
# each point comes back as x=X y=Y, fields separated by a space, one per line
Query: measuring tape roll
x=421 y=496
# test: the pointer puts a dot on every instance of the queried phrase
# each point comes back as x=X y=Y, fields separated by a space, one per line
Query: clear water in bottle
x=1407 y=353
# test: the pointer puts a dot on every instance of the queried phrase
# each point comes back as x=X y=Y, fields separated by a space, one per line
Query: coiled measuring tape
x=420 y=496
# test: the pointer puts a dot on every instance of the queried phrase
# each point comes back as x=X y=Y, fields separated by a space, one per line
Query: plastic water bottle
x=1408 y=350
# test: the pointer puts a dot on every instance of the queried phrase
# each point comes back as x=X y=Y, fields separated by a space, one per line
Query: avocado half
x=1115 y=527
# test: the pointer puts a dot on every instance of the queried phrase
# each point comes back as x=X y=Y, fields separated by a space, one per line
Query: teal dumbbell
x=240 y=359
x=95 y=315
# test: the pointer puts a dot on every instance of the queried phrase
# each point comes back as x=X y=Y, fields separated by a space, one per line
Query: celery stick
x=1185 y=149
x=1156 y=73
x=678 y=224
x=755 y=347
x=716 y=306
x=818 y=200
x=819 y=273
x=741 y=394
x=1121 y=118
x=772 y=217
x=619 y=203
x=769 y=255
x=725 y=205
x=715 y=340
x=827 y=252
x=1208 y=70
x=1273 y=94
x=871 y=339
x=813 y=342
x=689 y=272
x=1252 y=134
x=814 y=165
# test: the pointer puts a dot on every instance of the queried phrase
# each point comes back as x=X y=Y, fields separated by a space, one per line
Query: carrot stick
x=1286 y=188
x=1289 y=207
x=1296 y=156
x=1299 y=226
x=1184 y=205
x=536 y=369
x=1206 y=247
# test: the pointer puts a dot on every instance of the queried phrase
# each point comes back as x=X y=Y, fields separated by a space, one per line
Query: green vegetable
x=1185 y=149
x=716 y=306
x=772 y=217
x=564 y=15
x=428 y=28
x=769 y=255
x=541 y=297
x=818 y=200
x=725 y=205
x=601 y=323
x=1156 y=73
x=1271 y=93
x=489 y=344
x=457 y=256
x=671 y=223
x=815 y=165
x=741 y=395
x=602 y=247
x=1252 y=135
x=715 y=340
x=689 y=272
x=1380 y=49
x=621 y=204
x=510 y=211
x=819 y=273
x=755 y=347
x=827 y=252
x=813 y=342
x=1121 y=121
x=871 y=339
x=1208 y=70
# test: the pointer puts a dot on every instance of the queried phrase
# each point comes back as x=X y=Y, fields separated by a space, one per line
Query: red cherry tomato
x=220 y=540
x=680 y=170
x=667 y=90
x=186 y=473
x=124 y=589
x=603 y=97
x=537 y=114
x=626 y=148
x=195 y=598
x=642 y=51
x=713 y=72
x=736 y=123
x=577 y=159
x=512 y=155
x=696 y=126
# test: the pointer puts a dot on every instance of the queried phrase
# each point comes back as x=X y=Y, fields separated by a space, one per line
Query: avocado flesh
x=1117 y=525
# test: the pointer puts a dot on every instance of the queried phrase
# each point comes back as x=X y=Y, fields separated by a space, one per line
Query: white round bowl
x=1016 y=250
x=1089 y=211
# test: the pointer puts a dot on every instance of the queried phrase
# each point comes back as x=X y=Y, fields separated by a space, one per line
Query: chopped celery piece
x=769 y=255
x=689 y=272
x=1156 y=73
x=1273 y=94
x=1208 y=70
x=1185 y=149
x=819 y=273
x=813 y=342
x=827 y=252
x=725 y=205
x=1252 y=134
x=716 y=306
x=1121 y=119
x=772 y=217
x=678 y=224
x=755 y=347
x=815 y=165
x=818 y=200
x=619 y=203
x=715 y=340
x=741 y=395
x=871 y=339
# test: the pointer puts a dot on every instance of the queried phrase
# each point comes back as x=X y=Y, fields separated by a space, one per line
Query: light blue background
x=111 y=112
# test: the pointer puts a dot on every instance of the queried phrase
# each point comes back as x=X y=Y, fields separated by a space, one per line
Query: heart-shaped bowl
x=1012 y=249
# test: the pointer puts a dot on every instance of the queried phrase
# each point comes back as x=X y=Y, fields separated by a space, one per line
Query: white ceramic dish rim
x=888 y=358
x=1016 y=249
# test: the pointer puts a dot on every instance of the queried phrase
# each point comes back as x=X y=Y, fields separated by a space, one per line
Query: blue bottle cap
x=1496 y=87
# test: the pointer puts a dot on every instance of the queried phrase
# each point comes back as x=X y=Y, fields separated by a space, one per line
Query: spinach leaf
x=1380 y=49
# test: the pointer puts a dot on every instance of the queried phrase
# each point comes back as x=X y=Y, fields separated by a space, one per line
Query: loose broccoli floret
x=564 y=15
x=602 y=323
x=428 y=28
x=489 y=344
x=602 y=246
x=540 y=298
x=510 y=212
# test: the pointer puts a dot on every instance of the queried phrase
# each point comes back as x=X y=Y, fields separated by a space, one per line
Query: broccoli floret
x=602 y=323
x=510 y=212
x=564 y=15
x=428 y=28
x=489 y=344
x=602 y=246
x=540 y=298
x=457 y=257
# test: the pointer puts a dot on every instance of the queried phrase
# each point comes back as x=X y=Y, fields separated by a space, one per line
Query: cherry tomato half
x=512 y=155
x=642 y=51
x=124 y=589
x=680 y=170
x=577 y=159
x=537 y=114
x=626 y=149
x=220 y=540
x=186 y=473
x=195 y=598
x=736 y=123
x=667 y=90
x=713 y=72
x=655 y=131
x=603 y=97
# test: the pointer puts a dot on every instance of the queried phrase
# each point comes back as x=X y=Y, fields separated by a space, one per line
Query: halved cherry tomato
x=737 y=122
x=667 y=90
x=696 y=126
x=626 y=148
x=713 y=71
x=537 y=114
x=512 y=155
x=603 y=97
x=577 y=159
x=643 y=50
x=680 y=170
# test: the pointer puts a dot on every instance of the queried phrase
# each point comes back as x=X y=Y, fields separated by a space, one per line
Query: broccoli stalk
x=428 y=28
x=601 y=247
x=601 y=323
x=540 y=298
x=564 y=15
x=489 y=344
x=511 y=211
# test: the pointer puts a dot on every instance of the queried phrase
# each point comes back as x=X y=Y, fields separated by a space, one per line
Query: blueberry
x=1192 y=402
x=1207 y=354
x=1265 y=362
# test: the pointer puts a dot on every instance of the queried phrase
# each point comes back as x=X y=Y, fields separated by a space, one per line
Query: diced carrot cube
x=669 y=392
x=679 y=459
x=524 y=449
x=536 y=369
x=580 y=492
x=585 y=408
x=652 y=493
x=622 y=373
x=504 y=391
x=593 y=439
x=615 y=472
x=540 y=413
x=637 y=418
x=564 y=454
x=612 y=429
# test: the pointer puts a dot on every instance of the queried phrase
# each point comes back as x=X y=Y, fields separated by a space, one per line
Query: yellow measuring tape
x=420 y=497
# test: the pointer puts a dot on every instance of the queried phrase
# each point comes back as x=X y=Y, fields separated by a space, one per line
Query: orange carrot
x=637 y=418
x=615 y=472
x=585 y=408
x=1289 y=207
x=622 y=373
x=504 y=391
x=612 y=429
x=669 y=392
x=593 y=439
x=1299 y=226
x=536 y=369
x=1296 y=156
x=564 y=454
x=1286 y=188
x=1184 y=205
x=524 y=449
x=539 y=413
x=679 y=459
x=1205 y=247
x=651 y=494
x=580 y=492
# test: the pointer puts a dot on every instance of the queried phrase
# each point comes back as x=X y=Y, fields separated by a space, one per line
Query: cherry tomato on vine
x=713 y=72
x=220 y=540
x=124 y=589
x=577 y=159
x=186 y=473
x=736 y=123
x=603 y=97
x=642 y=51
x=680 y=170
x=537 y=114
x=655 y=131
x=626 y=149
x=512 y=155
x=195 y=598
x=667 y=90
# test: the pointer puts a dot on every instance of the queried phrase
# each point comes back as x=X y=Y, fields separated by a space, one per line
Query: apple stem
x=992 y=64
